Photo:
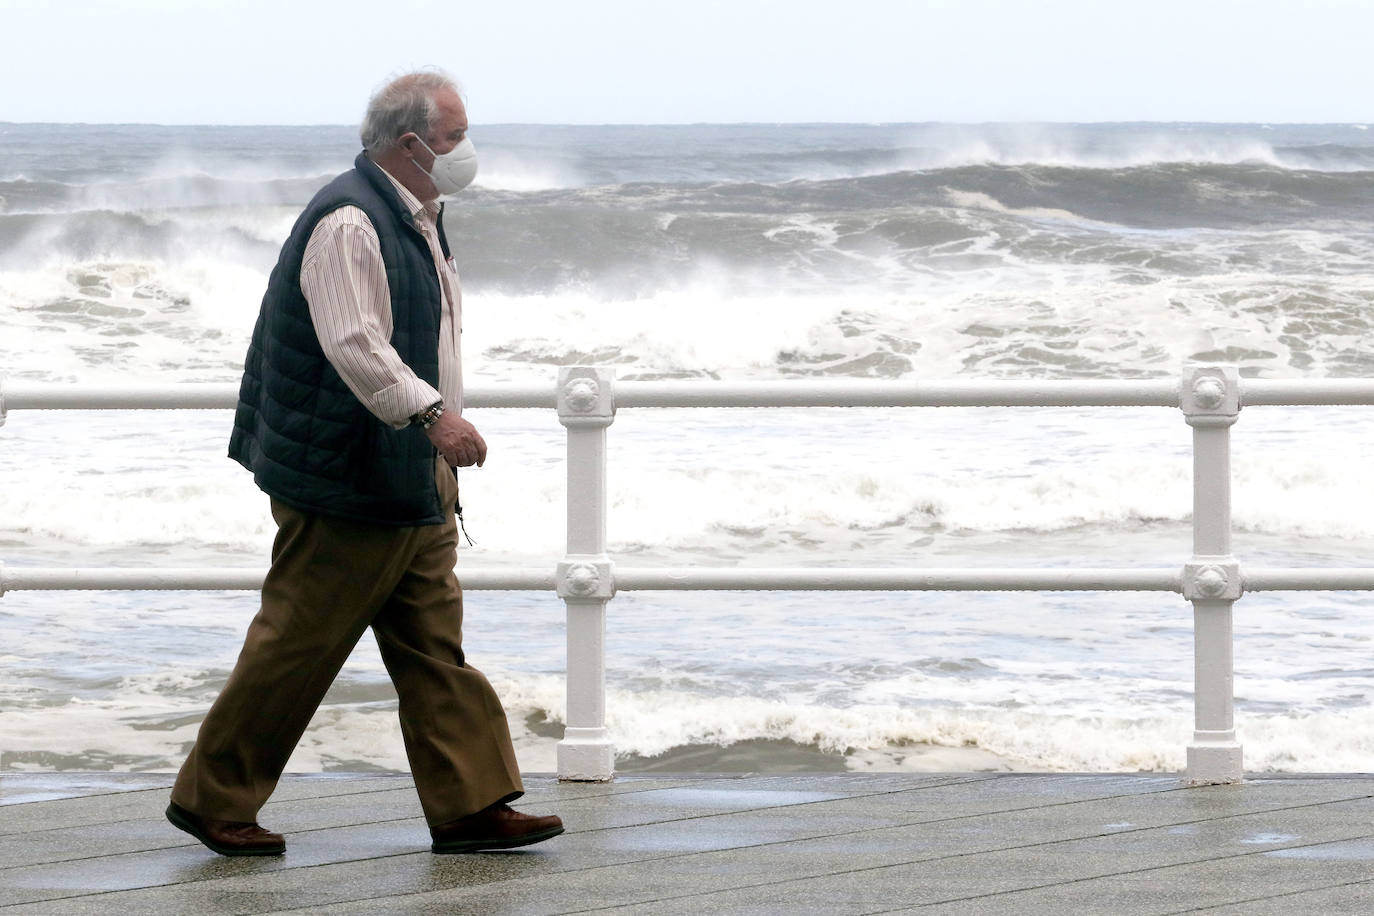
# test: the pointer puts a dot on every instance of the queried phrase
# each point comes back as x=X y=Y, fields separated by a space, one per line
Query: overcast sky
x=646 y=61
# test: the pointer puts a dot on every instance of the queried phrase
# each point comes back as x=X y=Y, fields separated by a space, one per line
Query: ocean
x=137 y=253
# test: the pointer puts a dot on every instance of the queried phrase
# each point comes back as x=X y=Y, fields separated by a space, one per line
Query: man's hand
x=458 y=441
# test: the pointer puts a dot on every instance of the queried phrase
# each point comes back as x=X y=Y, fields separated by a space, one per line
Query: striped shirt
x=343 y=279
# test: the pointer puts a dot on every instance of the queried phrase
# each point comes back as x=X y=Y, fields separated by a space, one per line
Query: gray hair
x=402 y=106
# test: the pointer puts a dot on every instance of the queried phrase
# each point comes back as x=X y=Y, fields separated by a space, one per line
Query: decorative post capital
x=586 y=396
x=1210 y=395
x=1212 y=579
x=586 y=578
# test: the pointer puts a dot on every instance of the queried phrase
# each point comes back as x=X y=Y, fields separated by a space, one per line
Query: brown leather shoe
x=496 y=827
x=228 y=838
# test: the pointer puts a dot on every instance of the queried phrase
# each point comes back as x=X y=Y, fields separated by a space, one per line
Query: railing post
x=586 y=580
x=1210 y=398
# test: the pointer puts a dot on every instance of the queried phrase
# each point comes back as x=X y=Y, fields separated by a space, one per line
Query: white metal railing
x=586 y=400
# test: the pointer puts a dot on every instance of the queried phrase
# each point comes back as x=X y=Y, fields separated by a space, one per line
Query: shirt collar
x=412 y=203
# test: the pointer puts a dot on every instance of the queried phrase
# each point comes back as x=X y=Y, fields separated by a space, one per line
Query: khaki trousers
x=330 y=580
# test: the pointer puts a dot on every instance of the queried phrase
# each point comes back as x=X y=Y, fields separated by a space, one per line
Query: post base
x=1214 y=764
x=586 y=758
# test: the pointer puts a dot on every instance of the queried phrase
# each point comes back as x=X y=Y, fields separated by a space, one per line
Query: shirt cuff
x=398 y=403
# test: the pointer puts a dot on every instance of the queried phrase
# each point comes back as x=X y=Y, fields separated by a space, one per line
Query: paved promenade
x=832 y=843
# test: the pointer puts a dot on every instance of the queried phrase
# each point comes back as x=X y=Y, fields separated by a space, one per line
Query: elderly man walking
x=350 y=418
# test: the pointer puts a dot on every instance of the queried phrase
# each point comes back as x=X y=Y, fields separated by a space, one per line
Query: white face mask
x=454 y=170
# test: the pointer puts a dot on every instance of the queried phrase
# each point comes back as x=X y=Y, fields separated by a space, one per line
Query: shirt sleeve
x=343 y=280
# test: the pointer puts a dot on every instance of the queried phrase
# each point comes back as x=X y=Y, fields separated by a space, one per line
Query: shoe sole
x=179 y=821
x=456 y=846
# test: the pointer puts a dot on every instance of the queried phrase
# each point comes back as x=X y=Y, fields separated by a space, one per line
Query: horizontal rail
x=19 y=395
x=642 y=578
x=1330 y=579
x=26 y=395
x=936 y=393
x=51 y=396
x=28 y=578
x=1314 y=392
x=899 y=580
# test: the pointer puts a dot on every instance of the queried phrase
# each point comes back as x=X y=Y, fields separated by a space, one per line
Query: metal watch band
x=429 y=416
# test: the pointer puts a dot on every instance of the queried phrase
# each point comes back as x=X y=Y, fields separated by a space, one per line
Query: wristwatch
x=429 y=416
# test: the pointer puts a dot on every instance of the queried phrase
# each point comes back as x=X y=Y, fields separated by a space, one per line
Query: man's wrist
x=429 y=416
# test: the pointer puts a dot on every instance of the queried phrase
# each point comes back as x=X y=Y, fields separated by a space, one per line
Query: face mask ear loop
x=430 y=172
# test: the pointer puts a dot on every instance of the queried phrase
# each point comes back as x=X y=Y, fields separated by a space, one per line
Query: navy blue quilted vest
x=307 y=439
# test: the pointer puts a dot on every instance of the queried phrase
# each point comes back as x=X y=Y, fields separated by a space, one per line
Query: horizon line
x=957 y=123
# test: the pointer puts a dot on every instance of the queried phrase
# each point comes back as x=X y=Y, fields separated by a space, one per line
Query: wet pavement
x=824 y=843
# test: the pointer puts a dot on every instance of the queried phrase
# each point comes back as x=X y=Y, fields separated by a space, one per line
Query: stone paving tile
x=26 y=788
x=1089 y=817
x=852 y=892
x=81 y=793
x=543 y=786
x=846 y=783
x=1229 y=843
x=1352 y=899
x=742 y=905
x=1168 y=871
x=78 y=812
x=114 y=807
x=1200 y=885
x=963 y=800
x=1114 y=814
